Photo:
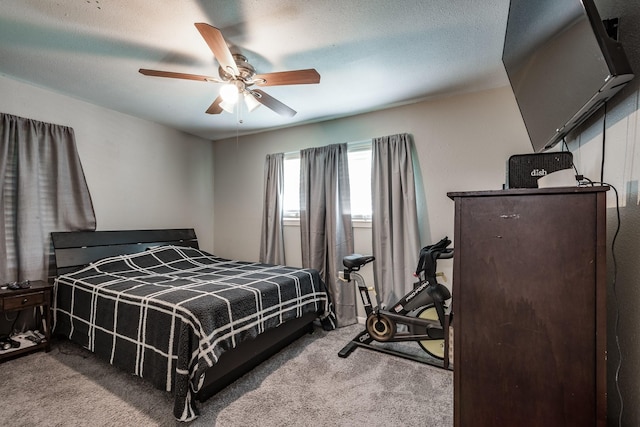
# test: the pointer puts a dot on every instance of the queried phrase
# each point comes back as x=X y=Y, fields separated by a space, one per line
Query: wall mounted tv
x=562 y=65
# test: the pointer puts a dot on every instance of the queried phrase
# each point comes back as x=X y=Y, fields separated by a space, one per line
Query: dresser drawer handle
x=24 y=301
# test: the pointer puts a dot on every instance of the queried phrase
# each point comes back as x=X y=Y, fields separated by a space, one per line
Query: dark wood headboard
x=76 y=249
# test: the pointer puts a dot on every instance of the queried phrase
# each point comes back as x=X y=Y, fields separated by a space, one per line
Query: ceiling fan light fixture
x=251 y=101
x=229 y=93
x=227 y=106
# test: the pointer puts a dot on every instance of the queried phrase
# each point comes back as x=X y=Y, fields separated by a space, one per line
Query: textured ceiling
x=371 y=54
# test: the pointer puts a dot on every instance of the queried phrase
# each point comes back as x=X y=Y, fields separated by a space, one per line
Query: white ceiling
x=371 y=54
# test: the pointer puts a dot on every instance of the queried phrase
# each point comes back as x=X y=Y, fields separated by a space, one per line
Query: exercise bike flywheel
x=435 y=347
x=380 y=327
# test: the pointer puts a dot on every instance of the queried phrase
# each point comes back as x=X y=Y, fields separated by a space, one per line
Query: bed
x=151 y=303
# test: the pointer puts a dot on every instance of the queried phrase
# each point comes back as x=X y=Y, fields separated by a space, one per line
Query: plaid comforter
x=167 y=314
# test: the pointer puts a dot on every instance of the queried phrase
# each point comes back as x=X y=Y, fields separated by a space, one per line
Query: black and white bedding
x=168 y=314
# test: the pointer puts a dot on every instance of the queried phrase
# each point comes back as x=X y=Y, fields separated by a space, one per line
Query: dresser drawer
x=18 y=302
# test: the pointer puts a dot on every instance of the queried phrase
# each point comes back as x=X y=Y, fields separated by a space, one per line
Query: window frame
x=293 y=215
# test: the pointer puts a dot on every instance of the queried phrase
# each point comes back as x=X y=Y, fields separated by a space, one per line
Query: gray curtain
x=272 y=238
x=325 y=222
x=43 y=190
x=395 y=232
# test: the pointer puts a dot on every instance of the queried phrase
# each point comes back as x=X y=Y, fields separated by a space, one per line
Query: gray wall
x=462 y=143
x=621 y=169
x=140 y=174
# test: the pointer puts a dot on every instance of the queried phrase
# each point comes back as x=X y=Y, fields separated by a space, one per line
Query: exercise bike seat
x=355 y=261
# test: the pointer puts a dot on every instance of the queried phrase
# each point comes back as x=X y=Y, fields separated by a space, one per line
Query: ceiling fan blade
x=272 y=103
x=218 y=46
x=173 y=75
x=297 y=77
x=215 y=108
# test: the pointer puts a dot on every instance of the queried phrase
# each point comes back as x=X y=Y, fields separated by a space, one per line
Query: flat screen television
x=562 y=65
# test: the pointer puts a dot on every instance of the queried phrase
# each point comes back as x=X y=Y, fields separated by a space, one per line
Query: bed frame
x=76 y=249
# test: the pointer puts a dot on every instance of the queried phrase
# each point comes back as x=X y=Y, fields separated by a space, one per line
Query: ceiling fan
x=240 y=77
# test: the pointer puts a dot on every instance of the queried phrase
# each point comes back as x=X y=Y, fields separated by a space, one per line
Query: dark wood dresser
x=529 y=303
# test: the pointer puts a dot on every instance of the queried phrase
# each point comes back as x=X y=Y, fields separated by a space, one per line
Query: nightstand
x=37 y=295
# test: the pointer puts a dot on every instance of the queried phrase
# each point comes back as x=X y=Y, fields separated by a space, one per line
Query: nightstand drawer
x=23 y=301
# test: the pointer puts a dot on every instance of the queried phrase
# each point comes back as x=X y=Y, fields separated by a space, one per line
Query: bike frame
x=417 y=298
x=382 y=324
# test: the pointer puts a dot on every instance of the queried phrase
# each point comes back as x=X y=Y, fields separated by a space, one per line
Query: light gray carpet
x=305 y=384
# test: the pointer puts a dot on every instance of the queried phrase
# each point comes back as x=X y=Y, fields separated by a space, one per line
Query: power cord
x=581 y=178
x=615 y=298
x=604 y=139
x=586 y=181
x=615 y=303
x=615 y=265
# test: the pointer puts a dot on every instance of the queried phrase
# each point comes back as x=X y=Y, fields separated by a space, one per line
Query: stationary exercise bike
x=422 y=315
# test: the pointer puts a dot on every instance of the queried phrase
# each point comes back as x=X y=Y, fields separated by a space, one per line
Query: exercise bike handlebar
x=446 y=254
x=429 y=256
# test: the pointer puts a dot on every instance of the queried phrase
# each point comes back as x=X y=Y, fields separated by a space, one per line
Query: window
x=291 y=202
x=360 y=180
x=359 y=155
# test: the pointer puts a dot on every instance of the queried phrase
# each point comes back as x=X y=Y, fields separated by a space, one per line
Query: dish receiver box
x=523 y=170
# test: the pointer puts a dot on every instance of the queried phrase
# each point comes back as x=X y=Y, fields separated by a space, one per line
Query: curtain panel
x=43 y=190
x=325 y=221
x=272 y=236
x=395 y=230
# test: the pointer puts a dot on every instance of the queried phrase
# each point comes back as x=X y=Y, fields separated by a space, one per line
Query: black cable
x=13 y=322
x=613 y=257
x=604 y=139
x=615 y=266
x=564 y=143
x=615 y=301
